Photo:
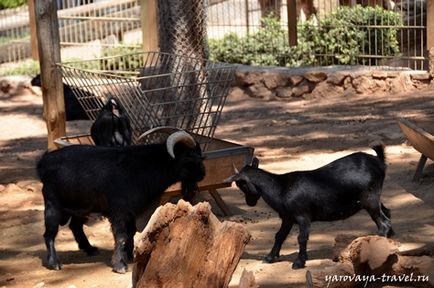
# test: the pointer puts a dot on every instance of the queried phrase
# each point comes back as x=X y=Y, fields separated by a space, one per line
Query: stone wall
x=286 y=84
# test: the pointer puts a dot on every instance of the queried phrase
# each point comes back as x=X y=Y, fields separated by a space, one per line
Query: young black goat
x=333 y=192
x=112 y=126
x=73 y=108
x=118 y=182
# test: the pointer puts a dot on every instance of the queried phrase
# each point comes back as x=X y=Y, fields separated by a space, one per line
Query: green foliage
x=5 y=4
x=340 y=38
x=29 y=68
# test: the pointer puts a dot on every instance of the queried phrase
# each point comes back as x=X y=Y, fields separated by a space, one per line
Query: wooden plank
x=218 y=199
x=421 y=140
x=52 y=87
x=419 y=168
x=430 y=24
x=33 y=36
x=148 y=15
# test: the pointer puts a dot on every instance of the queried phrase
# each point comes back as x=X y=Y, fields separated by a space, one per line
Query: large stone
x=273 y=80
x=295 y=79
x=400 y=84
x=363 y=84
x=303 y=88
x=260 y=91
x=315 y=76
x=325 y=89
x=284 y=92
x=243 y=79
x=337 y=78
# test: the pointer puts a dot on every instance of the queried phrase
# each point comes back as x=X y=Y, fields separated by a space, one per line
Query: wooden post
x=291 y=8
x=430 y=34
x=148 y=15
x=33 y=36
x=47 y=28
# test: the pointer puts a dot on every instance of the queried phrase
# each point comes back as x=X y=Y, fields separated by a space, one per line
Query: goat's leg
x=76 y=226
x=120 y=233
x=375 y=210
x=53 y=217
x=388 y=214
x=130 y=242
x=279 y=238
x=303 y=237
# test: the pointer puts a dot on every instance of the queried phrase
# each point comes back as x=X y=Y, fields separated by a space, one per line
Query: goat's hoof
x=120 y=268
x=298 y=264
x=270 y=259
x=391 y=233
x=54 y=265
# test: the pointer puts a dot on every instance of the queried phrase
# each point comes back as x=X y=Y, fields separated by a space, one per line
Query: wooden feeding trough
x=220 y=158
x=420 y=136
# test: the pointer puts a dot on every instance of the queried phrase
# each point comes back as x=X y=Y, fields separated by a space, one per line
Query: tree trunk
x=187 y=246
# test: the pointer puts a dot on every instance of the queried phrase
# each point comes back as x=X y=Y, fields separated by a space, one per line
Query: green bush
x=29 y=68
x=340 y=38
x=5 y=4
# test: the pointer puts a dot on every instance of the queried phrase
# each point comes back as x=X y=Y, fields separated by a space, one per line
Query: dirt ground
x=296 y=135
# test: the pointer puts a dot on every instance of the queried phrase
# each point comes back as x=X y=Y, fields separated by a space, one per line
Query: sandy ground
x=302 y=134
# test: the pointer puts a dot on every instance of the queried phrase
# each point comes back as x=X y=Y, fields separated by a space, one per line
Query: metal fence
x=93 y=28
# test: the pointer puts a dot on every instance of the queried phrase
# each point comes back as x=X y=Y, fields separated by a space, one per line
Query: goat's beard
x=189 y=190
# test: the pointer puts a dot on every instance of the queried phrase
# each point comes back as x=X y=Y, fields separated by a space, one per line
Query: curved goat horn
x=235 y=169
x=180 y=136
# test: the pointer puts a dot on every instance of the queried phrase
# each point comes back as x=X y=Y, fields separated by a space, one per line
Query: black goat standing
x=118 y=182
x=73 y=108
x=112 y=126
x=333 y=192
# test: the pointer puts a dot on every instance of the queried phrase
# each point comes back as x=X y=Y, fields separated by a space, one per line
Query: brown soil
x=295 y=135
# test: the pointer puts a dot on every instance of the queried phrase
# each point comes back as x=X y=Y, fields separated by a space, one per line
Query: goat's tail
x=379 y=149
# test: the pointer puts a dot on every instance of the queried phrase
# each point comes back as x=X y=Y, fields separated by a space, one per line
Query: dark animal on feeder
x=333 y=192
x=73 y=109
x=112 y=126
x=118 y=182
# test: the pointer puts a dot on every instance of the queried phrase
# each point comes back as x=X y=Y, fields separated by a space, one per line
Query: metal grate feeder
x=155 y=89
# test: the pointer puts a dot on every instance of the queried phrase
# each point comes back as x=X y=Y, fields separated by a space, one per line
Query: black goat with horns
x=118 y=182
x=332 y=192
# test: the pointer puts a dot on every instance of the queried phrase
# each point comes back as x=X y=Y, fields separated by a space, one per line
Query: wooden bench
x=419 y=136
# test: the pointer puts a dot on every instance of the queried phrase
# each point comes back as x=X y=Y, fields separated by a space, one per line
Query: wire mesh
x=155 y=89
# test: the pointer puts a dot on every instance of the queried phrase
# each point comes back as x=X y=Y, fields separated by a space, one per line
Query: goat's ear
x=255 y=162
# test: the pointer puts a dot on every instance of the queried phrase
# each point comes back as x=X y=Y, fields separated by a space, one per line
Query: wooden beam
x=148 y=15
x=32 y=24
x=291 y=8
x=430 y=34
x=47 y=28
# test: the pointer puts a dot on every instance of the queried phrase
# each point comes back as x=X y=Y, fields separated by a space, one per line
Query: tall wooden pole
x=430 y=34
x=291 y=7
x=47 y=28
x=32 y=24
x=148 y=15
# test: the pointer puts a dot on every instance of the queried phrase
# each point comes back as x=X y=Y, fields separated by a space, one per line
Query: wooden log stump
x=373 y=261
x=187 y=246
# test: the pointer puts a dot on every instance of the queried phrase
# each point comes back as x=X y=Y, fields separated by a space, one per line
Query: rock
x=379 y=75
x=236 y=93
x=422 y=76
x=325 y=89
x=2 y=187
x=247 y=280
x=284 y=92
x=295 y=79
x=260 y=91
x=301 y=89
x=315 y=76
x=273 y=80
x=363 y=84
x=247 y=78
x=337 y=78
x=400 y=84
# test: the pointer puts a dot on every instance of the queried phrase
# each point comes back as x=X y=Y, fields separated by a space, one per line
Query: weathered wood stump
x=187 y=246
x=373 y=261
